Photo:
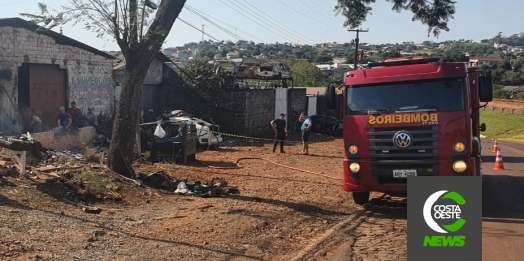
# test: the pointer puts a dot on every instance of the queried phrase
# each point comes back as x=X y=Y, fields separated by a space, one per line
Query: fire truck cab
x=404 y=118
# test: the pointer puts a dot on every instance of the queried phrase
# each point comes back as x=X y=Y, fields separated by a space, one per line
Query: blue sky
x=307 y=21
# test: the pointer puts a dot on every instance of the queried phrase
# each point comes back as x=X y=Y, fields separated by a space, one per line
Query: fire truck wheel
x=361 y=198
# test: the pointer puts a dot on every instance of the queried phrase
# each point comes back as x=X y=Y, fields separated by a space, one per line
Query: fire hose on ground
x=239 y=166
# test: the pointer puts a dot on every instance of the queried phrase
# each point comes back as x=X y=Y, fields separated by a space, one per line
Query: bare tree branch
x=133 y=22
x=160 y=27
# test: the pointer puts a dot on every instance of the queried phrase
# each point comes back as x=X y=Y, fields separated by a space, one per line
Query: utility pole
x=202 y=33
x=356 y=44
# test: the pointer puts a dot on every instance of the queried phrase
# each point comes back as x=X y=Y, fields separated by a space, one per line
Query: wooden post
x=21 y=155
x=503 y=110
x=512 y=111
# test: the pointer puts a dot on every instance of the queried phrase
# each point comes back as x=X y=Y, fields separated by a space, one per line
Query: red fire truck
x=412 y=117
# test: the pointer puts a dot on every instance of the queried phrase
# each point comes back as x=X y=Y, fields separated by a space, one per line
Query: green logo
x=436 y=212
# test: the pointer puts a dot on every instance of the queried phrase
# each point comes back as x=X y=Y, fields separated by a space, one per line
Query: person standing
x=306 y=129
x=280 y=128
x=90 y=118
x=75 y=113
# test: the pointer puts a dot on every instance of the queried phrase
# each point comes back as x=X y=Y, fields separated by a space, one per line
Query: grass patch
x=92 y=155
x=95 y=183
x=503 y=126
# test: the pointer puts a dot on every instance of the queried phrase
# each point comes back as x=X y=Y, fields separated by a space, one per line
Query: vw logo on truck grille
x=402 y=140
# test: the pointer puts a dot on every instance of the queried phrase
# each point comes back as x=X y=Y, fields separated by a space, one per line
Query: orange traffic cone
x=496 y=146
x=499 y=165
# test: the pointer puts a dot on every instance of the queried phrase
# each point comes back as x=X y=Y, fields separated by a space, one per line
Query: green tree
x=256 y=51
x=306 y=74
x=434 y=14
x=199 y=76
x=139 y=42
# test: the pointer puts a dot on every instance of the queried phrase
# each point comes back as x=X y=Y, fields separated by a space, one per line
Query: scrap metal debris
x=217 y=187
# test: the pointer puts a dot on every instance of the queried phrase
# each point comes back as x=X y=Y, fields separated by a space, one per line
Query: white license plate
x=404 y=173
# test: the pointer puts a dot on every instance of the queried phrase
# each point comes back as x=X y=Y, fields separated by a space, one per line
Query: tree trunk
x=122 y=148
x=138 y=56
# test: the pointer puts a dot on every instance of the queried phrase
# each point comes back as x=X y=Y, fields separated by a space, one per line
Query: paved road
x=503 y=205
x=383 y=235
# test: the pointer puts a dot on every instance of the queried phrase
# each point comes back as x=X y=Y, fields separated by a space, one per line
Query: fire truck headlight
x=353 y=149
x=459 y=166
x=354 y=167
x=459 y=147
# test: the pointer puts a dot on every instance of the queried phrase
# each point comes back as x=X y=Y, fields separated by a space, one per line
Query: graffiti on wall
x=91 y=86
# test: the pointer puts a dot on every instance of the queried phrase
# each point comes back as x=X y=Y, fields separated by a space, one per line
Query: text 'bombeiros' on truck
x=410 y=117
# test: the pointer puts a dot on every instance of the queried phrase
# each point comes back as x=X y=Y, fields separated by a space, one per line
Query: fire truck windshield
x=434 y=95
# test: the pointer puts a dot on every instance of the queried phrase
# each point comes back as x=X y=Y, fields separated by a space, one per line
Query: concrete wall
x=90 y=81
x=66 y=141
x=297 y=100
x=248 y=112
x=260 y=110
x=231 y=116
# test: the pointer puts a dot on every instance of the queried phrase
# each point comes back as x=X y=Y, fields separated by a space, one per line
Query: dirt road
x=280 y=214
x=382 y=235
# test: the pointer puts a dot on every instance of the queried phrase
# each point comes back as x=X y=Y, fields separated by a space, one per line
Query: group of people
x=73 y=118
x=280 y=127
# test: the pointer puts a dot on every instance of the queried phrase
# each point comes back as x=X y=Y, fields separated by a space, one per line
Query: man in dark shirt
x=279 y=126
x=63 y=119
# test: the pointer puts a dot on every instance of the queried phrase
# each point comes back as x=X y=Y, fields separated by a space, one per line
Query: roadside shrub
x=94 y=183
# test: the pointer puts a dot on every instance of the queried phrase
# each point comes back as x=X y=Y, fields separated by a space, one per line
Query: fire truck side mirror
x=482 y=127
x=331 y=97
x=485 y=88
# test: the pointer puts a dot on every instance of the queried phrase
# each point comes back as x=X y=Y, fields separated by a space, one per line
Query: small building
x=513 y=90
x=158 y=91
x=170 y=51
x=232 y=55
x=479 y=61
x=41 y=70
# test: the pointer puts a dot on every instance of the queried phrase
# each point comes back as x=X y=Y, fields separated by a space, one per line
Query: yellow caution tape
x=251 y=138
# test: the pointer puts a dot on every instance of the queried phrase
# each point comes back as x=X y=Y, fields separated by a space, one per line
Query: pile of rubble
x=50 y=156
x=99 y=146
x=217 y=187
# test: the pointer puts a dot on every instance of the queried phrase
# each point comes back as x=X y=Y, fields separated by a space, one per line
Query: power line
x=316 y=11
x=374 y=37
x=305 y=14
x=209 y=28
x=202 y=14
x=322 y=8
x=253 y=20
x=197 y=29
x=305 y=37
x=213 y=23
x=277 y=26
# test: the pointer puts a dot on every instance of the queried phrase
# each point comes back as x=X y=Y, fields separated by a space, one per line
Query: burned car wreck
x=169 y=140
x=208 y=134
